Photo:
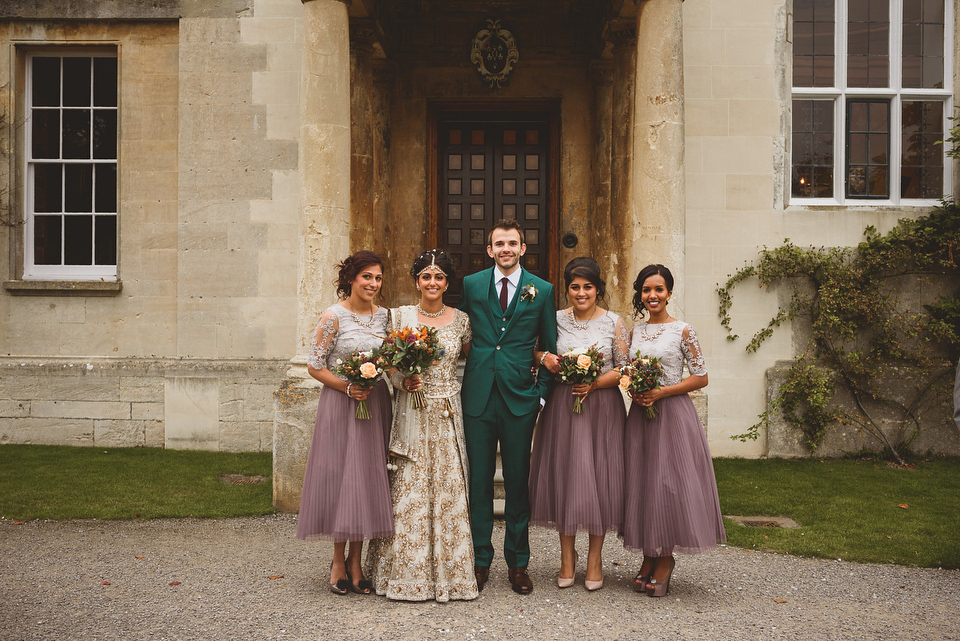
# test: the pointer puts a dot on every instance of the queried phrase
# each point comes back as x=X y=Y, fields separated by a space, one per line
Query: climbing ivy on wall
x=850 y=301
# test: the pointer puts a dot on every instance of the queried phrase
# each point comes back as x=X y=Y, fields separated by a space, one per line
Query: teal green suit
x=501 y=400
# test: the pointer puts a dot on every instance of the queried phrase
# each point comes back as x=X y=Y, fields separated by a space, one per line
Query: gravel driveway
x=250 y=578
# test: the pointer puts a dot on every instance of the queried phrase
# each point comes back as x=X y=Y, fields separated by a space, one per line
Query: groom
x=511 y=312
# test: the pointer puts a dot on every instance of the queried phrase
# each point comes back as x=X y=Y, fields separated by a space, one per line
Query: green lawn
x=849 y=509
x=854 y=509
x=59 y=482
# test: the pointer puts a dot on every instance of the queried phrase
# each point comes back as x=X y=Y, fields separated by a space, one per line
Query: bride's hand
x=412 y=383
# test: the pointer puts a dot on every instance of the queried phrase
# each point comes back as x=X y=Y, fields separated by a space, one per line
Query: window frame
x=840 y=93
x=30 y=270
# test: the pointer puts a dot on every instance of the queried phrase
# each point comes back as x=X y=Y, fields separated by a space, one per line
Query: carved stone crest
x=494 y=53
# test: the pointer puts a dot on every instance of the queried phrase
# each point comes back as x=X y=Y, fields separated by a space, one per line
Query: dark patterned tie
x=503 y=293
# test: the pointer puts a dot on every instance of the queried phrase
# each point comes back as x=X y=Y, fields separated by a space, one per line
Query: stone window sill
x=63 y=287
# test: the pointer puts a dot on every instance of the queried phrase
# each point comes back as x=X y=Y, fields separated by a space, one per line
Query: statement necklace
x=356 y=318
x=647 y=337
x=443 y=308
x=577 y=324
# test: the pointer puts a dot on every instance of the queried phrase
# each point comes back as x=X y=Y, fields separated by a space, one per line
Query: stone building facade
x=235 y=150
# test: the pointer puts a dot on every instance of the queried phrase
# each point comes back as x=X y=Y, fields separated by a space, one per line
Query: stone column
x=362 y=130
x=601 y=235
x=657 y=167
x=324 y=167
x=324 y=159
x=621 y=270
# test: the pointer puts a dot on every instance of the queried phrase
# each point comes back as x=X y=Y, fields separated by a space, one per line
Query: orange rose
x=368 y=370
x=583 y=361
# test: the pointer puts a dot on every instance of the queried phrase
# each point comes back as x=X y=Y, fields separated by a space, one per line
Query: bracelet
x=347 y=392
x=396 y=379
x=543 y=356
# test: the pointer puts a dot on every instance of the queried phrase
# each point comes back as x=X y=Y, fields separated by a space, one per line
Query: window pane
x=76 y=133
x=868 y=31
x=106 y=188
x=47 y=187
x=78 y=240
x=105 y=133
x=921 y=158
x=868 y=148
x=46 y=82
x=923 y=45
x=813 y=28
x=78 y=188
x=105 y=82
x=46 y=240
x=812 y=151
x=45 y=133
x=76 y=82
x=105 y=252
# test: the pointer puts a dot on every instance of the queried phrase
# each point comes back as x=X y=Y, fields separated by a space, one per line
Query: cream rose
x=368 y=370
x=583 y=361
x=624 y=382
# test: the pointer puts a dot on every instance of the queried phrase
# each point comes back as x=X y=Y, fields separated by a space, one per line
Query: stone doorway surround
x=635 y=200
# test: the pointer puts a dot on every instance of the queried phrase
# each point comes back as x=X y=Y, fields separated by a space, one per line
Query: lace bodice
x=440 y=380
x=676 y=344
x=607 y=332
x=338 y=335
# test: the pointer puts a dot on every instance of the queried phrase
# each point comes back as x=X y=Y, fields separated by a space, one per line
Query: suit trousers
x=515 y=435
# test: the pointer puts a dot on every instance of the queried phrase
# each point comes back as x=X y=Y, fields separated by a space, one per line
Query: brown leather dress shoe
x=482 y=573
x=520 y=580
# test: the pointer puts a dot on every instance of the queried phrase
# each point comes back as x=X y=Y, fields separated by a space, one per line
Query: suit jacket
x=503 y=342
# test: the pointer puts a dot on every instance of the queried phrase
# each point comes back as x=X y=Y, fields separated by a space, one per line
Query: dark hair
x=350 y=268
x=645 y=273
x=587 y=268
x=436 y=256
x=505 y=224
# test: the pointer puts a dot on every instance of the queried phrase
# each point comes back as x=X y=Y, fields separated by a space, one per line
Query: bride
x=430 y=556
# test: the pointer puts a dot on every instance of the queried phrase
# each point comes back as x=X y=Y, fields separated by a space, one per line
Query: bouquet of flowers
x=412 y=351
x=580 y=366
x=362 y=369
x=640 y=375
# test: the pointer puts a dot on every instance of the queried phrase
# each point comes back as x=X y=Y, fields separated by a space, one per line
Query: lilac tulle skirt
x=576 y=472
x=671 y=502
x=346 y=494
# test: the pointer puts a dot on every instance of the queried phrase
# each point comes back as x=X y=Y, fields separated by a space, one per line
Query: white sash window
x=872 y=94
x=71 y=165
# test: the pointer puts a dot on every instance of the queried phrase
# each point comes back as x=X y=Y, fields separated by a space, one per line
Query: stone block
x=191 y=412
x=295 y=404
x=45 y=431
x=239 y=436
x=80 y=409
x=268 y=30
x=146 y=411
x=118 y=433
x=14 y=409
x=232 y=412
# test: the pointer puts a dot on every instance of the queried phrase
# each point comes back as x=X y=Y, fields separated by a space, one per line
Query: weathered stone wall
x=208 y=230
x=937 y=432
x=175 y=403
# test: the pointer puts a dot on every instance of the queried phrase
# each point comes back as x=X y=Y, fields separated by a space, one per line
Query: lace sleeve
x=621 y=344
x=324 y=339
x=692 y=353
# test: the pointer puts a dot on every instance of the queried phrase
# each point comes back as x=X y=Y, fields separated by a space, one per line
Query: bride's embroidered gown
x=430 y=555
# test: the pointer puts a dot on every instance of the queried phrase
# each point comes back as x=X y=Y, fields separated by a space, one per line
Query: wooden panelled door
x=492 y=166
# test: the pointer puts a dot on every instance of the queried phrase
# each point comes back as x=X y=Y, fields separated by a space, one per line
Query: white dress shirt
x=513 y=282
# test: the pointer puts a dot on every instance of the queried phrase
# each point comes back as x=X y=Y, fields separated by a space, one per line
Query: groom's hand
x=552 y=363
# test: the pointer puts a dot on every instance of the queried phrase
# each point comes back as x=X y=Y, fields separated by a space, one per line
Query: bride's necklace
x=443 y=308
x=356 y=318
x=581 y=325
x=647 y=337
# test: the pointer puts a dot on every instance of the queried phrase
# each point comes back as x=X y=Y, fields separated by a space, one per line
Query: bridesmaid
x=576 y=473
x=671 y=496
x=346 y=495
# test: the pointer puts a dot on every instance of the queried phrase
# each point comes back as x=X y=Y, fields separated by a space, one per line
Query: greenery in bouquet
x=362 y=369
x=641 y=375
x=580 y=366
x=412 y=351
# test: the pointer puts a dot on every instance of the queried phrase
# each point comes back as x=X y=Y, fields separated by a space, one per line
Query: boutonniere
x=529 y=291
